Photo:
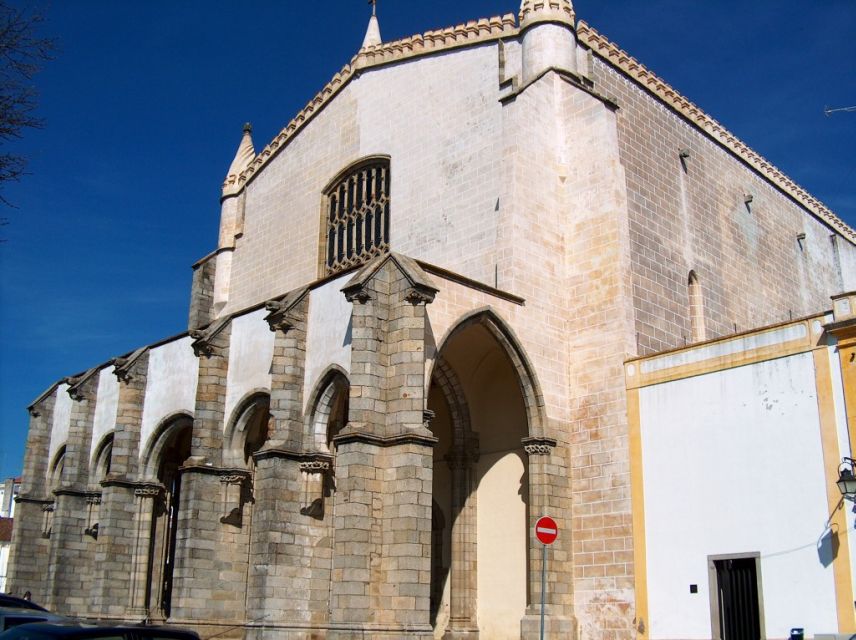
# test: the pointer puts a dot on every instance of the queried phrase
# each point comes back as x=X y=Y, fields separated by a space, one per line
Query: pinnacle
x=372 y=33
x=245 y=154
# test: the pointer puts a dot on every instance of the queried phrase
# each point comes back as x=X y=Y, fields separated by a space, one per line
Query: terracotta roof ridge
x=469 y=33
x=617 y=57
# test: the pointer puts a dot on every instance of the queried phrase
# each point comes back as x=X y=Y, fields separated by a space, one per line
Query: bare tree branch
x=22 y=53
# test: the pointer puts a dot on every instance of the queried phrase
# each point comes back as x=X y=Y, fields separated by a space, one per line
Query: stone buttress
x=382 y=523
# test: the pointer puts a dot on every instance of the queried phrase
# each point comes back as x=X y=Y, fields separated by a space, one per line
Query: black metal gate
x=737 y=587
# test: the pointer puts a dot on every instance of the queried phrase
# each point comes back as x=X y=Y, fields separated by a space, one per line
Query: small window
x=357 y=216
x=696 y=308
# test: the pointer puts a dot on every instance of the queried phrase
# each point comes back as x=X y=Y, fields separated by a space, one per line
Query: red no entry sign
x=546 y=530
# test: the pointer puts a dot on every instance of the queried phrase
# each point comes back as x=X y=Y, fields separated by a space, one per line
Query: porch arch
x=510 y=343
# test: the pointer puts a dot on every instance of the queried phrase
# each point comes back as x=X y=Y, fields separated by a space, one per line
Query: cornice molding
x=621 y=60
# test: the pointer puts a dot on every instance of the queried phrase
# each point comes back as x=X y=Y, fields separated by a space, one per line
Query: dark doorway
x=737 y=598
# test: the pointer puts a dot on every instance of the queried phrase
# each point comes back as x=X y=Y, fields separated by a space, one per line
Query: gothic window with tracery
x=357 y=215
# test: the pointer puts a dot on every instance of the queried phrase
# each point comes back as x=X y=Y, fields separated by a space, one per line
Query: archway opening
x=174 y=449
x=481 y=486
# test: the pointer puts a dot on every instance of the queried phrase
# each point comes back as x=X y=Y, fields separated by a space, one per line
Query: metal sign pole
x=543 y=584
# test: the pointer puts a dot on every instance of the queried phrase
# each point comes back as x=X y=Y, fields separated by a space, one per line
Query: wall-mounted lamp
x=801 y=241
x=684 y=154
x=846 y=480
x=748 y=198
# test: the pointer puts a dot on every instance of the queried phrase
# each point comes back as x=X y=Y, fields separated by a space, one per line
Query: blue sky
x=143 y=107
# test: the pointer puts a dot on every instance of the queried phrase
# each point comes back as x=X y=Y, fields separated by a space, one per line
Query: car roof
x=70 y=630
x=8 y=600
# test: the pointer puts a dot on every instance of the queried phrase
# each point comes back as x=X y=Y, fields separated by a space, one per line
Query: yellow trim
x=725 y=361
x=847 y=360
x=838 y=522
x=637 y=497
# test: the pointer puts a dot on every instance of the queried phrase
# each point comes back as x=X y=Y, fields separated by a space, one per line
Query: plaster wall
x=106 y=406
x=172 y=377
x=444 y=196
x=4 y=563
x=328 y=339
x=250 y=354
x=752 y=268
x=732 y=463
x=61 y=421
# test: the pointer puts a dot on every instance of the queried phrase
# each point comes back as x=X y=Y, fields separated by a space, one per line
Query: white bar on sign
x=545 y=530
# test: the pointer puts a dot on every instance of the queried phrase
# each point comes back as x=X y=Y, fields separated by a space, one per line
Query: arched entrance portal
x=480 y=560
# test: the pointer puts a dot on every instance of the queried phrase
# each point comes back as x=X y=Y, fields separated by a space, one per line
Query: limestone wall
x=439 y=119
x=691 y=214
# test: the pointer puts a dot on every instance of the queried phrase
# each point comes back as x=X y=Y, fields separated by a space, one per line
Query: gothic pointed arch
x=56 y=468
x=162 y=437
x=511 y=345
x=328 y=409
x=167 y=450
x=247 y=430
x=101 y=459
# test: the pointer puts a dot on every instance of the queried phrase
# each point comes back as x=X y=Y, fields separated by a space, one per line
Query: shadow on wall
x=828 y=545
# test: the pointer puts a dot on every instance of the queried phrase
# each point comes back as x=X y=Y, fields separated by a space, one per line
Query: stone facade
x=363 y=454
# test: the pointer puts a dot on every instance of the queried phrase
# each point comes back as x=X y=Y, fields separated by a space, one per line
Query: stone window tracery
x=357 y=210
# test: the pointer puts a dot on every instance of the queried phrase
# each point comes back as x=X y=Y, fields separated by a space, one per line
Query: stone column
x=463 y=593
x=549 y=495
x=381 y=572
x=71 y=554
x=145 y=565
x=113 y=592
x=30 y=545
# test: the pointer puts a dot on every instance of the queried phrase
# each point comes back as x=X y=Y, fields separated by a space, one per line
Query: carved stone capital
x=82 y=386
x=123 y=367
x=48 y=507
x=93 y=499
x=420 y=295
x=233 y=478
x=360 y=295
x=315 y=466
x=427 y=417
x=75 y=389
x=148 y=492
x=278 y=317
x=211 y=341
x=202 y=346
x=536 y=446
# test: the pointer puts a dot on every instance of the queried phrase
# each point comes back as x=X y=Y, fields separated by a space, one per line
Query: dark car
x=78 y=631
x=14 y=616
x=8 y=600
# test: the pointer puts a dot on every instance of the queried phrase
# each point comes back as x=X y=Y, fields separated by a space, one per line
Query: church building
x=489 y=272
